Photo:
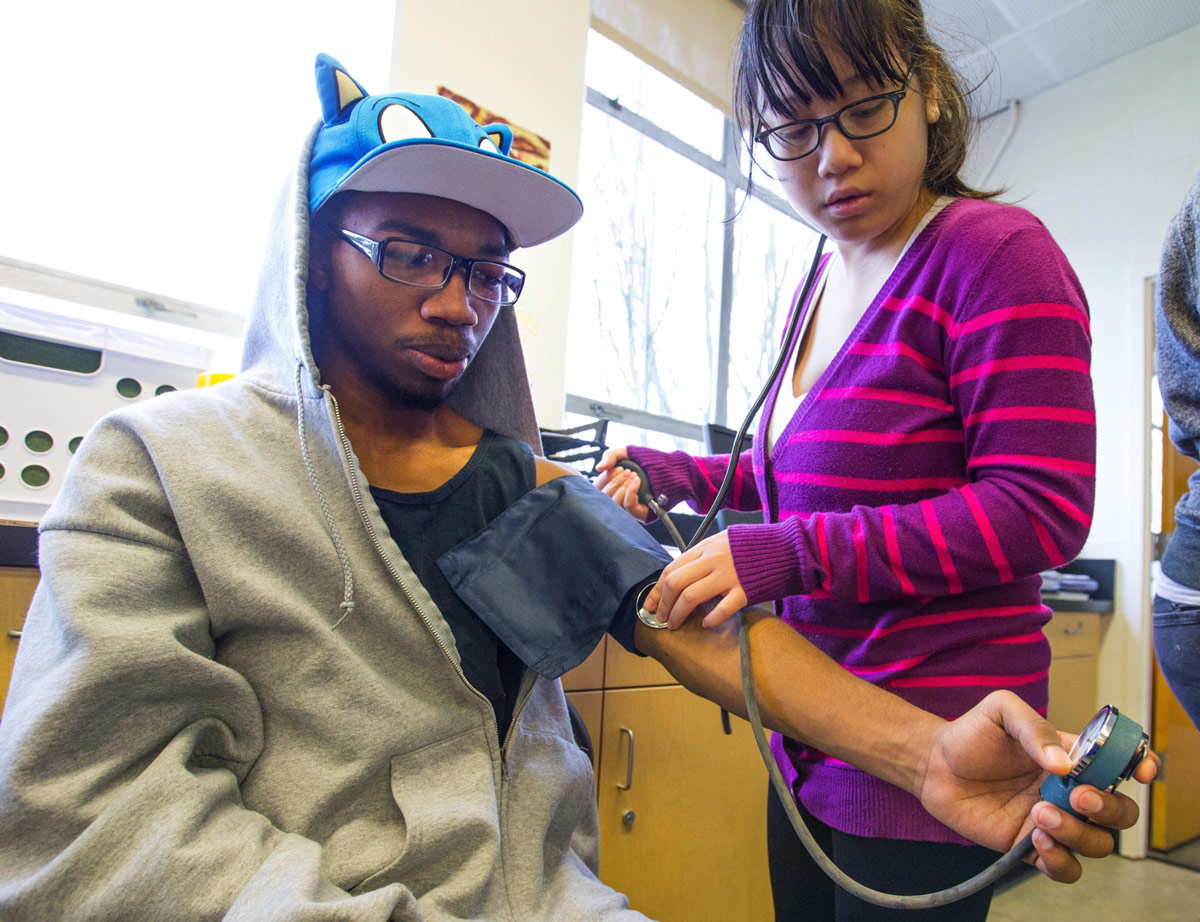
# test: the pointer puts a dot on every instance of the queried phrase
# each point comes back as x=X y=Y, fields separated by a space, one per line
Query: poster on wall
x=528 y=146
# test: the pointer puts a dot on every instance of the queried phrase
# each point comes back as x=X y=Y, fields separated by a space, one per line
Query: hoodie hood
x=493 y=392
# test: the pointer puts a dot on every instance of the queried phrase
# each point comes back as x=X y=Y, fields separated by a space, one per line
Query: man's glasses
x=422 y=265
x=862 y=119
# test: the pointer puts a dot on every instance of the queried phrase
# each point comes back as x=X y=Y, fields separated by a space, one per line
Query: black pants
x=803 y=893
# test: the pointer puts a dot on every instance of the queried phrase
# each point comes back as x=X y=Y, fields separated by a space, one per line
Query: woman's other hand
x=621 y=484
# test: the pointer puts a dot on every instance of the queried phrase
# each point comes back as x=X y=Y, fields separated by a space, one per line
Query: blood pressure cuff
x=555 y=571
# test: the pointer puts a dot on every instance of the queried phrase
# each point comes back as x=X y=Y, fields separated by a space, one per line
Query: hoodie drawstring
x=347 y=604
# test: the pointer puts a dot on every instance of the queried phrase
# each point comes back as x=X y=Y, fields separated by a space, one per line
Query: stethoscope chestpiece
x=1106 y=753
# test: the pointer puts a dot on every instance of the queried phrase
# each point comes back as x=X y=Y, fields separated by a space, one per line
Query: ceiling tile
x=1021 y=48
x=1026 y=13
x=1008 y=70
x=1100 y=31
x=962 y=26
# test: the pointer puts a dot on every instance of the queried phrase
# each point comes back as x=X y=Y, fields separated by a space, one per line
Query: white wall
x=1105 y=161
x=522 y=59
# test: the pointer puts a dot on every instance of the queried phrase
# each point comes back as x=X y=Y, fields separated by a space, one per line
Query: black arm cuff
x=554 y=571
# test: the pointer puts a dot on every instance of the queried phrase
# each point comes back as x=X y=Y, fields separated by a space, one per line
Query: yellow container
x=212 y=377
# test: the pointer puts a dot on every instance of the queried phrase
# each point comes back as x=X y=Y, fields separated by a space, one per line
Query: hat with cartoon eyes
x=404 y=142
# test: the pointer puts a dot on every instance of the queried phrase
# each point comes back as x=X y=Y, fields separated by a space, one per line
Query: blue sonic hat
x=404 y=142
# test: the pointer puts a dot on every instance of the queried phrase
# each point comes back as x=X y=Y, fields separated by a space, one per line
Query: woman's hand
x=703 y=573
x=978 y=779
x=621 y=484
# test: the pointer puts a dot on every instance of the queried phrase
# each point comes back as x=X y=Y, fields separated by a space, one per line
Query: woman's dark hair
x=781 y=62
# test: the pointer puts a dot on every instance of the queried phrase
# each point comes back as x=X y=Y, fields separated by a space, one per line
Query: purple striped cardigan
x=943 y=459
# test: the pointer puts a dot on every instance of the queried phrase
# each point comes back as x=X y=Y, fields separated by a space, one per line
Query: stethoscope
x=1105 y=754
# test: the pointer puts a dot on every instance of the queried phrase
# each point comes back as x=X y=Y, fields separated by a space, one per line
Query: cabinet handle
x=15 y=635
x=1078 y=629
x=628 y=763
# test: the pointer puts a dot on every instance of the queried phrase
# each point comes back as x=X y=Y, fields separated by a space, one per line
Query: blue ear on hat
x=429 y=145
x=504 y=133
x=336 y=89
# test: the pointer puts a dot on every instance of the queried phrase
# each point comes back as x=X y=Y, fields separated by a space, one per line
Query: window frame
x=728 y=169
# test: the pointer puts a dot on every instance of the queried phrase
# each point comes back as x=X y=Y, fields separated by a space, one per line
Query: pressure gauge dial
x=1105 y=754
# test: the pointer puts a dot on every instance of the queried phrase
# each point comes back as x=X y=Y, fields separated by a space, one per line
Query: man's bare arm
x=801 y=692
x=979 y=774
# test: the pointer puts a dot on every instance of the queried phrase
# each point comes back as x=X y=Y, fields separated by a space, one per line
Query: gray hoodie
x=233 y=699
x=1177 y=334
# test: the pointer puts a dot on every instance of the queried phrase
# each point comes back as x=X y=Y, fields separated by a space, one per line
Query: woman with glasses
x=929 y=448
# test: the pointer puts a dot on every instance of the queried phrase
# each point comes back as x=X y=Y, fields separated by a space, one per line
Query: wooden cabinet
x=682 y=802
x=1074 y=650
x=16 y=592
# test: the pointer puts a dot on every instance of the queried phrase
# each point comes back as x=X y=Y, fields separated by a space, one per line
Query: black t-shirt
x=426 y=525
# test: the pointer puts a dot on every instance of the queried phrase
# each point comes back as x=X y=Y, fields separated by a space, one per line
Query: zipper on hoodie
x=528 y=680
x=356 y=492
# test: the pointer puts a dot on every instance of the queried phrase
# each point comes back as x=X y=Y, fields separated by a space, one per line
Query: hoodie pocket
x=447 y=796
x=549 y=812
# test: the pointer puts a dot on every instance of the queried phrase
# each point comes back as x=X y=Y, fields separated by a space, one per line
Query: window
x=676 y=313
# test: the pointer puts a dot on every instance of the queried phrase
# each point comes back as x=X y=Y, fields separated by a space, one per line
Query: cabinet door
x=1074 y=647
x=623 y=669
x=1073 y=692
x=590 y=673
x=590 y=705
x=687 y=839
x=16 y=592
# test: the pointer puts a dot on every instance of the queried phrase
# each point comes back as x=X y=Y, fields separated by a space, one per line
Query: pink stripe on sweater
x=860 y=437
x=880 y=669
x=864 y=483
x=921 y=306
x=712 y=487
x=823 y=549
x=1053 y=554
x=860 y=561
x=802 y=514
x=1048 y=462
x=893 y=395
x=893 y=349
x=1032 y=637
x=1052 y=414
x=1020 y=312
x=937 y=619
x=893 y=551
x=1066 y=506
x=953 y=583
x=956 y=329
x=1021 y=363
x=959 y=681
x=1003 y=570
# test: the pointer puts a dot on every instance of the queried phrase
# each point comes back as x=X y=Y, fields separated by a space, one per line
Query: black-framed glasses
x=864 y=118
x=422 y=265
